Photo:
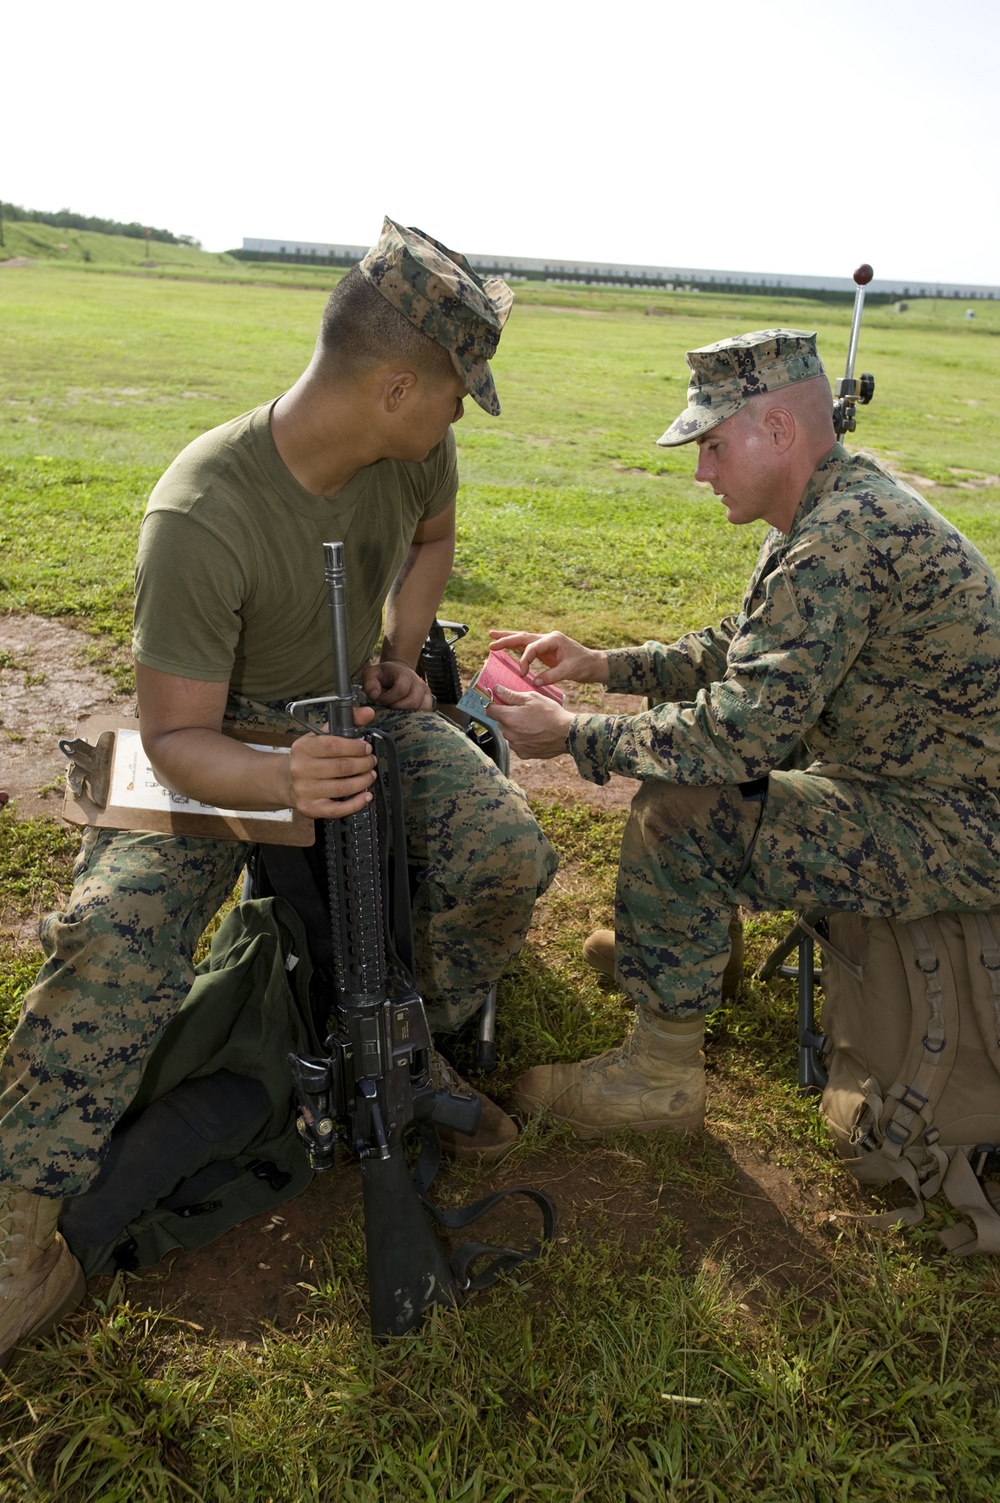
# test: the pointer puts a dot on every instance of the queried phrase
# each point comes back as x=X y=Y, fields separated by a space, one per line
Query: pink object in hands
x=500 y=668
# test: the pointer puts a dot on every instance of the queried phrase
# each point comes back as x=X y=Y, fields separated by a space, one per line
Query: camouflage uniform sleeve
x=802 y=626
x=675 y=672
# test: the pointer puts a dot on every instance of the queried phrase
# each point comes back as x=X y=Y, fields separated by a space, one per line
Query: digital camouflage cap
x=441 y=295
x=726 y=375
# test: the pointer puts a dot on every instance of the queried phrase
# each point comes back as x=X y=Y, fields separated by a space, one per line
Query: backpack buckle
x=264 y=1169
x=985 y=1160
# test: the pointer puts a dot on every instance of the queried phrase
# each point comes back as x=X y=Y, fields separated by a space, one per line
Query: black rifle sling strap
x=502 y=1258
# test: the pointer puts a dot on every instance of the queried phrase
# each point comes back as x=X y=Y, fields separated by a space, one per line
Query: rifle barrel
x=341 y=706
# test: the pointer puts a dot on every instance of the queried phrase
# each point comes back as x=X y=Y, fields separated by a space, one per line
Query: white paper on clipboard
x=134 y=785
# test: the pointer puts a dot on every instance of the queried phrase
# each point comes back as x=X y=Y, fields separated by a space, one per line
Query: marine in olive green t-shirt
x=229 y=582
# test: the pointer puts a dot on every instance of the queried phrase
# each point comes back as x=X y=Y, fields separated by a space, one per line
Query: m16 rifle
x=374 y=1080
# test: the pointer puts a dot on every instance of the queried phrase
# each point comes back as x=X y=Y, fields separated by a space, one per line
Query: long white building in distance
x=321 y=253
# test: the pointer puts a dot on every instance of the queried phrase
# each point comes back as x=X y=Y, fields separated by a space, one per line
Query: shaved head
x=360 y=330
x=810 y=404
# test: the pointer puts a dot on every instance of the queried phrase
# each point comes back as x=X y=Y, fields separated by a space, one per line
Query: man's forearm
x=414 y=599
x=205 y=765
x=674 y=671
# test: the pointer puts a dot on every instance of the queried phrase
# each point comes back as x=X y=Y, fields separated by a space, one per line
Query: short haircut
x=361 y=329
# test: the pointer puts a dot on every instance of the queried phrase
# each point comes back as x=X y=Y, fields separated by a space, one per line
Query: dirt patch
x=771 y=1229
x=250 y=1278
x=580 y=312
x=47 y=681
x=775 y=1234
x=15 y=262
x=918 y=482
x=974 y=482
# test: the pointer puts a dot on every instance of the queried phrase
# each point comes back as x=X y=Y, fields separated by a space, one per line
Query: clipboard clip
x=90 y=766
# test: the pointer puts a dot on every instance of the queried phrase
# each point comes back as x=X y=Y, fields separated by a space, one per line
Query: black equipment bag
x=210 y=1138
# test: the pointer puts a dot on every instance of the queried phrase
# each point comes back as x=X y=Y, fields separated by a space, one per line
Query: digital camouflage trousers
x=820 y=843
x=119 y=960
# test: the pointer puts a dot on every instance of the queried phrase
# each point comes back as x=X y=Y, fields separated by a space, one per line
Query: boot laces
x=620 y=1055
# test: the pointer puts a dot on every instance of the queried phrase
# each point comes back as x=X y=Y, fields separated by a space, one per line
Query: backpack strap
x=990 y=957
x=913 y=1111
x=870 y=1170
x=966 y=1194
x=807 y=922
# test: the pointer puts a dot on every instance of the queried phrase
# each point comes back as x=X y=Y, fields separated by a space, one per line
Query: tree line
x=66 y=219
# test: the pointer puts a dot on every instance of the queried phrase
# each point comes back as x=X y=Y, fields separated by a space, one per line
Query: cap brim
x=693 y=422
x=478 y=380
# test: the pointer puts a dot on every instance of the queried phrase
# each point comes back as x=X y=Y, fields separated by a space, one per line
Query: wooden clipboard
x=111 y=786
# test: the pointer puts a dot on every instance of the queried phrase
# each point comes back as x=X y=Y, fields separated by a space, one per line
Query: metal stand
x=812 y=1075
x=851 y=389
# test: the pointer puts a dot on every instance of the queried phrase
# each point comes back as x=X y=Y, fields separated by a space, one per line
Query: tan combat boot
x=40 y=1280
x=654 y=1081
x=496 y=1134
x=599 y=952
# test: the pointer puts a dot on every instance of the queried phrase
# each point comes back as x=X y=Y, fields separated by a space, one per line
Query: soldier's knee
x=536 y=862
x=516 y=862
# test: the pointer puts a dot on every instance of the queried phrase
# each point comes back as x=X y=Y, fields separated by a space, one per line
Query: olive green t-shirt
x=229 y=583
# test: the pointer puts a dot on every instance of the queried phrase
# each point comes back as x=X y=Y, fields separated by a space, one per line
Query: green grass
x=682 y=1340
x=104 y=379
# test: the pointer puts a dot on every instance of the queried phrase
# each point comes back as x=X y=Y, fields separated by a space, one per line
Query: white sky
x=784 y=136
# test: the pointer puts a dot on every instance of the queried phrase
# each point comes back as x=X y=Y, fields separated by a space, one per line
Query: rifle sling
x=503 y=1258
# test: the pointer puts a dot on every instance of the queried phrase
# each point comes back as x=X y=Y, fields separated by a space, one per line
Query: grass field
x=715 y=1323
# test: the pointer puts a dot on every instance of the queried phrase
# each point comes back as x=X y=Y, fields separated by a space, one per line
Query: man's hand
x=563 y=658
x=331 y=776
x=396 y=686
x=534 y=725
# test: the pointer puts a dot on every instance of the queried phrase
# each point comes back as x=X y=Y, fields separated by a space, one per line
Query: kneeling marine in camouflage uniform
x=836 y=744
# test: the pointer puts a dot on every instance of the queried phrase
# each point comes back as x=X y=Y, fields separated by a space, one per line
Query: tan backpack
x=911 y=1014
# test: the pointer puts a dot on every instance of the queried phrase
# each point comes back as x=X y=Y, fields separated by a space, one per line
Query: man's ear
x=780 y=427
x=397 y=388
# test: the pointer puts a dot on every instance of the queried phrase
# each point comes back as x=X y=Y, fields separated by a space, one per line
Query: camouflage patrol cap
x=441 y=295
x=726 y=375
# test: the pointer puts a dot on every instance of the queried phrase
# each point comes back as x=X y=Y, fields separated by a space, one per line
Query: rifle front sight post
x=337 y=706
